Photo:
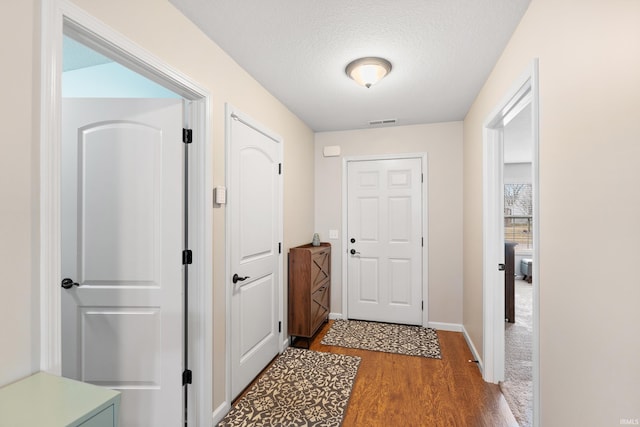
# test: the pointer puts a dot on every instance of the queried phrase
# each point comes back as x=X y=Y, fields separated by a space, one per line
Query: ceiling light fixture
x=368 y=71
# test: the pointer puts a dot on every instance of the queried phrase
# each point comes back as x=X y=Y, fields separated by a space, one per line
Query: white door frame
x=230 y=112
x=524 y=91
x=425 y=228
x=59 y=15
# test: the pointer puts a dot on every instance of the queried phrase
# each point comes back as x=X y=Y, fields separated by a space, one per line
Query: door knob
x=68 y=283
x=354 y=252
x=236 y=278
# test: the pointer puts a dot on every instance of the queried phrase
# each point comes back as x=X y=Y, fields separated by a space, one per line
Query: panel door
x=121 y=233
x=254 y=207
x=384 y=227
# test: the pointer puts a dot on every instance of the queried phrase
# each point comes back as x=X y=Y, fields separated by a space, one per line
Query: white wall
x=158 y=27
x=18 y=188
x=443 y=145
x=589 y=54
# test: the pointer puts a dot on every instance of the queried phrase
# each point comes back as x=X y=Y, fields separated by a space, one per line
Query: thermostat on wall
x=331 y=151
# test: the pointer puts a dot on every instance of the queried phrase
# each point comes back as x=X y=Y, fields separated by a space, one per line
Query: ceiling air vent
x=384 y=122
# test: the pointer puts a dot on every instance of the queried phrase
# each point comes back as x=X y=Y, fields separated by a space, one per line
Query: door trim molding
x=524 y=90
x=58 y=16
x=425 y=226
x=230 y=112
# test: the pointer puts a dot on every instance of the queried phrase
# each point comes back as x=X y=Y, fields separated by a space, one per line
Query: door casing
x=60 y=16
x=425 y=227
x=525 y=89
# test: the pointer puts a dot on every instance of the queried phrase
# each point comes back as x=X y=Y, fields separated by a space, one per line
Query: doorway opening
x=61 y=18
x=518 y=222
x=511 y=205
x=123 y=225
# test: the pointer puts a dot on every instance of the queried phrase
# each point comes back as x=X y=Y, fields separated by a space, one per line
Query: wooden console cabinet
x=309 y=289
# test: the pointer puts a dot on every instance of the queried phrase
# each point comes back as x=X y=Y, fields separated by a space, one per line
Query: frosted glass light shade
x=368 y=71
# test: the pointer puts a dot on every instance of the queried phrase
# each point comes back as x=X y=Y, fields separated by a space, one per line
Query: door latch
x=501 y=267
x=236 y=278
x=68 y=283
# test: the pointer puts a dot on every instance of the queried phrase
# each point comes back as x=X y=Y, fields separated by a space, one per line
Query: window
x=518 y=211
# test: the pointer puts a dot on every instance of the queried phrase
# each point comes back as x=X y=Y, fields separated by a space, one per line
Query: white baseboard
x=473 y=349
x=453 y=327
x=220 y=412
x=334 y=316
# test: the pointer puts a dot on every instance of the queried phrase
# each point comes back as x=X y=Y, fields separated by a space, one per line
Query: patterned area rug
x=301 y=388
x=386 y=337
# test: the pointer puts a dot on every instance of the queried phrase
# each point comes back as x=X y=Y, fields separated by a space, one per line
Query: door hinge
x=423 y=242
x=187 y=257
x=187 y=376
x=279 y=168
x=280 y=326
x=421 y=177
x=279 y=247
x=187 y=136
x=422 y=308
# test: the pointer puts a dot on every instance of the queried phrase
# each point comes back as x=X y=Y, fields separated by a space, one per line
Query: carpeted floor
x=301 y=388
x=518 y=385
x=385 y=337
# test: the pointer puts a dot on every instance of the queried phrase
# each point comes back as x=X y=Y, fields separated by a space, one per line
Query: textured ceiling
x=441 y=50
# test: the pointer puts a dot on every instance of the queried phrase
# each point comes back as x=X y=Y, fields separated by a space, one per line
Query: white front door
x=121 y=233
x=255 y=222
x=384 y=232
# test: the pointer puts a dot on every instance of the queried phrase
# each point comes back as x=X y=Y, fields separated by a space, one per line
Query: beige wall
x=19 y=131
x=589 y=55
x=443 y=145
x=159 y=28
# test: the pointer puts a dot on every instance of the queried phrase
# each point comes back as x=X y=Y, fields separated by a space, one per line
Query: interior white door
x=384 y=228
x=254 y=206
x=121 y=232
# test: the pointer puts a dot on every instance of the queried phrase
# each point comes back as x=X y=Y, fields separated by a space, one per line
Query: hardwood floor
x=396 y=390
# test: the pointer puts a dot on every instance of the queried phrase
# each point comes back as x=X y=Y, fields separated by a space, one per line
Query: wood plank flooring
x=397 y=390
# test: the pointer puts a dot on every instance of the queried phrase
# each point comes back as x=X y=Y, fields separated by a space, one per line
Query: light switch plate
x=333 y=234
x=220 y=195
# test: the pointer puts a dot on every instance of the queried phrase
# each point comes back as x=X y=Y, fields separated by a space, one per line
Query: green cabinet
x=48 y=400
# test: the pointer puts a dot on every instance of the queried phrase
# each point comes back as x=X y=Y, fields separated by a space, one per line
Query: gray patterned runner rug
x=301 y=388
x=385 y=337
